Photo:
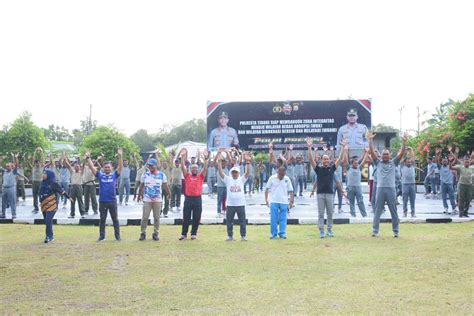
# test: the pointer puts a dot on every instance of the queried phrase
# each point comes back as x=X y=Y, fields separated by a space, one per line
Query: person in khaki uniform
x=464 y=185
x=75 y=189
x=166 y=196
x=90 y=197
x=37 y=166
x=140 y=171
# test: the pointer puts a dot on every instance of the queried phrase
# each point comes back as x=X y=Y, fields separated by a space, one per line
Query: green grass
x=428 y=270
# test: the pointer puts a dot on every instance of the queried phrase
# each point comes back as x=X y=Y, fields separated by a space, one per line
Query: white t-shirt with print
x=279 y=189
x=235 y=191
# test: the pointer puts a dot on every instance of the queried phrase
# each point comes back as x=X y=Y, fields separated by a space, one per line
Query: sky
x=150 y=64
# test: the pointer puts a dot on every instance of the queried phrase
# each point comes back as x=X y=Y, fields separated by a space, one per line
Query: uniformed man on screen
x=222 y=136
x=352 y=131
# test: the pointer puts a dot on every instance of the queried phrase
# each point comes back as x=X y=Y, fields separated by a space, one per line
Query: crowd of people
x=231 y=174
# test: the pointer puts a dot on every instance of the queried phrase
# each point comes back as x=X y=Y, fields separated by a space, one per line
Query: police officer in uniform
x=352 y=131
x=222 y=136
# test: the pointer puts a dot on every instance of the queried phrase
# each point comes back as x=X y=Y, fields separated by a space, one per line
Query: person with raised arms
x=386 y=192
x=107 y=195
x=325 y=185
x=192 y=194
x=235 y=195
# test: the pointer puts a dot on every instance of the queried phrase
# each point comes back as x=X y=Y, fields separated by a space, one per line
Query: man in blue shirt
x=107 y=197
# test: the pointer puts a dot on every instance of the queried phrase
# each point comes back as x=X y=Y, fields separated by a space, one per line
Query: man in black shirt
x=324 y=182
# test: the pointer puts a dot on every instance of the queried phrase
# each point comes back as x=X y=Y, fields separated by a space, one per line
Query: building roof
x=192 y=148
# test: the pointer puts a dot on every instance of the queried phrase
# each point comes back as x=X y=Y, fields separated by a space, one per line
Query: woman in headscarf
x=49 y=203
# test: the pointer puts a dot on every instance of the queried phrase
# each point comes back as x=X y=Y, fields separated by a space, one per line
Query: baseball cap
x=235 y=169
x=152 y=162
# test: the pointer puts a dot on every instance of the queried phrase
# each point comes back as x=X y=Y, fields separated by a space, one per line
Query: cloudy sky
x=144 y=64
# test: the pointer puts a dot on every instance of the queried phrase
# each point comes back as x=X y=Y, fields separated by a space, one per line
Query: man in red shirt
x=192 y=194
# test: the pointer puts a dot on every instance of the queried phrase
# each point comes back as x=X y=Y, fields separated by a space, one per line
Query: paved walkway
x=304 y=212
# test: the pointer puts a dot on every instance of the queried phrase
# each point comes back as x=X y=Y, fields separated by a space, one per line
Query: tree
x=461 y=123
x=382 y=128
x=87 y=127
x=106 y=140
x=56 y=133
x=22 y=136
x=441 y=114
x=194 y=130
x=452 y=124
x=143 y=140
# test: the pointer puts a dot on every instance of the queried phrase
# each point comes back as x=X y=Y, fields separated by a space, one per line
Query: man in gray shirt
x=386 y=193
x=9 y=189
x=124 y=183
x=299 y=174
x=447 y=190
x=408 y=186
x=354 y=186
x=211 y=178
x=221 y=189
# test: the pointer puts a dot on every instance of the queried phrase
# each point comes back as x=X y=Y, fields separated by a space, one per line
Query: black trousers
x=230 y=214
x=192 y=205
x=104 y=208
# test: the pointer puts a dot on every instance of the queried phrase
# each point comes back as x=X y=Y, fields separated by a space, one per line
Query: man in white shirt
x=278 y=187
x=235 y=197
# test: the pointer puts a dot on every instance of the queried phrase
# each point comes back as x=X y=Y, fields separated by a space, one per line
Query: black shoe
x=14 y=216
x=142 y=237
x=70 y=216
x=118 y=238
x=101 y=239
x=155 y=236
x=46 y=240
x=95 y=213
x=34 y=211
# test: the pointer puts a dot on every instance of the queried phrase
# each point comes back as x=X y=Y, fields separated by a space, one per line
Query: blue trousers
x=355 y=192
x=278 y=217
x=301 y=185
x=65 y=186
x=221 y=195
x=250 y=184
x=9 y=199
x=48 y=220
x=124 y=186
x=447 y=190
x=388 y=195
x=409 y=194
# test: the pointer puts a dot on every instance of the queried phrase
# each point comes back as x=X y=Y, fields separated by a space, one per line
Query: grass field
x=428 y=270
